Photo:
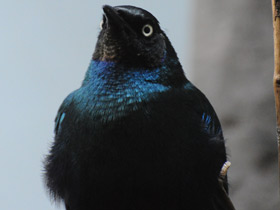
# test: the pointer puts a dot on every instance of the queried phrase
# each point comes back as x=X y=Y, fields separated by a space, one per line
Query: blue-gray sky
x=46 y=47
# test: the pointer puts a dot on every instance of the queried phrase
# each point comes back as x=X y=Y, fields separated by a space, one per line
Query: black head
x=131 y=36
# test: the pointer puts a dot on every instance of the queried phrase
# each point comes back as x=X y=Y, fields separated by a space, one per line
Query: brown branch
x=276 y=77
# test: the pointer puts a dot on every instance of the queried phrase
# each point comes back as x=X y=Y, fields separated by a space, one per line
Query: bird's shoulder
x=204 y=109
x=190 y=105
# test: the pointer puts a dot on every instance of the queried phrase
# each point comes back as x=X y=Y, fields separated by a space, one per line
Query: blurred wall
x=233 y=66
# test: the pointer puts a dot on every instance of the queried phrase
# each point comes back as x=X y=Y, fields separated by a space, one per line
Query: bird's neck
x=169 y=74
x=114 y=88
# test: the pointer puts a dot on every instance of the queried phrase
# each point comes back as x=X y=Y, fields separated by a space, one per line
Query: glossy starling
x=137 y=134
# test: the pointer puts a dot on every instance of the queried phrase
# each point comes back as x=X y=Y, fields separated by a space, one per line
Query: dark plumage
x=137 y=134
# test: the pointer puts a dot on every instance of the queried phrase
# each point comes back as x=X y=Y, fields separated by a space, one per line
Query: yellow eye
x=147 y=30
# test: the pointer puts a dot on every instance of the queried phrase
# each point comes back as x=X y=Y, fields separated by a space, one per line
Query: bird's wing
x=210 y=124
x=220 y=199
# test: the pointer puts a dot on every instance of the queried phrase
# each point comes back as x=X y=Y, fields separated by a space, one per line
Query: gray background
x=224 y=46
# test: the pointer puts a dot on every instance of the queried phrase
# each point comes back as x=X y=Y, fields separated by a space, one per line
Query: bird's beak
x=113 y=20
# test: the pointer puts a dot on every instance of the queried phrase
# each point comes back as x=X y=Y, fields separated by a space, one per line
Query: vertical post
x=276 y=77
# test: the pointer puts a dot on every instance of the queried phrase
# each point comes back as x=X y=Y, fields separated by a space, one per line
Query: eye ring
x=147 y=30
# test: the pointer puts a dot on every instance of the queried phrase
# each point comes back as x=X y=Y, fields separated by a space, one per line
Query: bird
x=137 y=134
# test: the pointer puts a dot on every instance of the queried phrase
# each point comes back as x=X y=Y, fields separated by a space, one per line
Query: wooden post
x=276 y=77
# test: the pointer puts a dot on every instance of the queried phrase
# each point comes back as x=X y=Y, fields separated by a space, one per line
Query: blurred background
x=226 y=49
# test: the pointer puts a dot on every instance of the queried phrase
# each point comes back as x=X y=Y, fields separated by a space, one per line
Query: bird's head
x=132 y=36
